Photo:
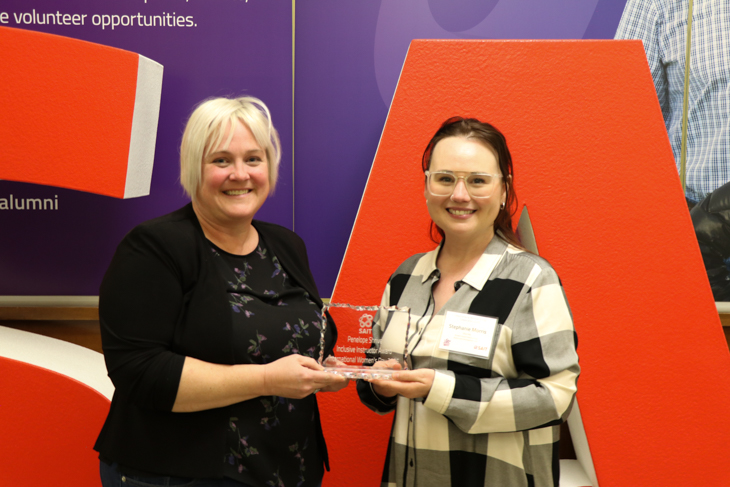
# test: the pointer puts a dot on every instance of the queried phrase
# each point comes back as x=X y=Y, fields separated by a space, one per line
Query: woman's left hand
x=408 y=383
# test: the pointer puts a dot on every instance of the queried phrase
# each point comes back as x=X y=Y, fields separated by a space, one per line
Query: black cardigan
x=161 y=300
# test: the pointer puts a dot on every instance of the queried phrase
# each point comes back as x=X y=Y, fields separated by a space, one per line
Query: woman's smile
x=460 y=212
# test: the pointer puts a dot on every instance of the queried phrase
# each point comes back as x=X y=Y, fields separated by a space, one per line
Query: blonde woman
x=211 y=326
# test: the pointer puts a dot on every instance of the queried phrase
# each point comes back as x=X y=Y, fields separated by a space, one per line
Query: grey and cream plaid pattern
x=485 y=422
x=662 y=26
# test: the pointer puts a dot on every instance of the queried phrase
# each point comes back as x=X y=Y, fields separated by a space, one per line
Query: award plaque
x=356 y=351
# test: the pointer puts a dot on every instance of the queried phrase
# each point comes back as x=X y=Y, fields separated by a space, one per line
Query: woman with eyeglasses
x=482 y=329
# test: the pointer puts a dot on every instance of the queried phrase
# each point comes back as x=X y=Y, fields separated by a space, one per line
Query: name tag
x=468 y=334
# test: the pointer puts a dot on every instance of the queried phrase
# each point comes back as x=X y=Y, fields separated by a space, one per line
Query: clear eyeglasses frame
x=478 y=184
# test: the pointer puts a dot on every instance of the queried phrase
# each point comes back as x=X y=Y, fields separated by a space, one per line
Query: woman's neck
x=458 y=256
x=239 y=239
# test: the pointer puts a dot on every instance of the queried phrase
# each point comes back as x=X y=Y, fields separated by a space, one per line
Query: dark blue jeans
x=110 y=477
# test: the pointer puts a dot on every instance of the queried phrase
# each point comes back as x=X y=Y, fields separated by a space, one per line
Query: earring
x=501 y=207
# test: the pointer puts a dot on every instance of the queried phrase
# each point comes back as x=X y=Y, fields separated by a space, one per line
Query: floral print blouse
x=271 y=441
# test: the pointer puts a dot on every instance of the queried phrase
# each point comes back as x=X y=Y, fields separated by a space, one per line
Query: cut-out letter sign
x=594 y=166
x=76 y=114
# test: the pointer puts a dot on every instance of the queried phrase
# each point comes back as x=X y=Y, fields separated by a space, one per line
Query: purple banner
x=224 y=47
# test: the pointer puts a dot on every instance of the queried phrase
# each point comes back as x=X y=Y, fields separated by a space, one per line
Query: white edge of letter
x=144 y=128
x=580 y=443
x=79 y=363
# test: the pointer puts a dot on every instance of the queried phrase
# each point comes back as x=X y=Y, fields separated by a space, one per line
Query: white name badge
x=468 y=334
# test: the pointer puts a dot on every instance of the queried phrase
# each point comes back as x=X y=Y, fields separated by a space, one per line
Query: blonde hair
x=207 y=126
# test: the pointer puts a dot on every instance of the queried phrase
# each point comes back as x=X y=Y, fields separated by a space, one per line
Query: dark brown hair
x=472 y=128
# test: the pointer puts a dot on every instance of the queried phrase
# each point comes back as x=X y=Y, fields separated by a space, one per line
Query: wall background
x=348 y=56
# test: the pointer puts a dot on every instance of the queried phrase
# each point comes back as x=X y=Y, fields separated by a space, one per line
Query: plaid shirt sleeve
x=540 y=389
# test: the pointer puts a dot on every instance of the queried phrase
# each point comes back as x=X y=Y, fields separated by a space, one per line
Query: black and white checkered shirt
x=486 y=421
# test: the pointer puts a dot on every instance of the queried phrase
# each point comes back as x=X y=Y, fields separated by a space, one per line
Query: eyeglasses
x=478 y=185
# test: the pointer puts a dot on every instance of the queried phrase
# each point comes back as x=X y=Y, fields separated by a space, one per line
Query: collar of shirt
x=479 y=274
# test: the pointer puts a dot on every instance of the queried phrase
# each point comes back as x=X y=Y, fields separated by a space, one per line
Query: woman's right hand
x=297 y=376
x=382 y=387
x=409 y=383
